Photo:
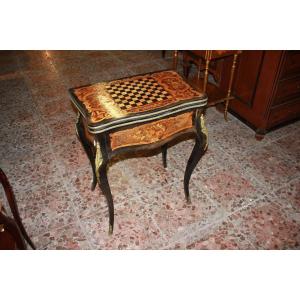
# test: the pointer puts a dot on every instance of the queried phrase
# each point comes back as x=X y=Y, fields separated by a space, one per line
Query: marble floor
x=245 y=194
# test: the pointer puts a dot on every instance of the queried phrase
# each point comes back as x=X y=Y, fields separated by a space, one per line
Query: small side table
x=206 y=56
x=138 y=113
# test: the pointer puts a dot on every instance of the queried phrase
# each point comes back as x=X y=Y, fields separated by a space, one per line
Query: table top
x=137 y=99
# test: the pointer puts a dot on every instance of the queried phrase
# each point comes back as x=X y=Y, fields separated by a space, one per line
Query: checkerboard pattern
x=138 y=92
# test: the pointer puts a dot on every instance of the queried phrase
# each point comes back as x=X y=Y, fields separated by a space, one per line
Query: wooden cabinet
x=266 y=88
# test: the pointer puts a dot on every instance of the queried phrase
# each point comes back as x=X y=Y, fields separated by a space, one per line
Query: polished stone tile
x=54 y=108
x=70 y=237
x=226 y=236
x=280 y=132
x=86 y=201
x=269 y=166
x=36 y=168
x=228 y=186
x=290 y=145
x=131 y=231
x=145 y=67
x=46 y=207
x=13 y=93
x=117 y=73
x=269 y=224
x=17 y=118
x=149 y=173
x=62 y=128
x=290 y=194
x=71 y=155
x=174 y=215
x=179 y=154
x=37 y=79
x=46 y=93
x=233 y=138
x=23 y=141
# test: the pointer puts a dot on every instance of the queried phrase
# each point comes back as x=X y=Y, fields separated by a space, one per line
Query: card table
x=137 y=114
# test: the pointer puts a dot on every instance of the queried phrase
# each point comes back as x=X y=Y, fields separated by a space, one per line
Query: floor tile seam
x=249 y=206
x=163 y=236
x=265 y=185
x=278 y=147
x=209 y=195
x=186 y=232
x=94 y=245
x=238 y=166
x=274 y=200
x=195 y=235
x=245 y=153
x=84 y=231
x=215 y=227
x=260 y=146
x=87 y=235
x=210 y=199
x=214 y=224
x=287 y=183
x=282 y=135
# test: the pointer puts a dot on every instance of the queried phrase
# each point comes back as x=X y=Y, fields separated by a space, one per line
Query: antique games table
x=138 y=113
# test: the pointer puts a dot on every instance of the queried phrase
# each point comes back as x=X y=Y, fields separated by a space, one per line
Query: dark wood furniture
x=138 y=113
x=12 y=231
x=203 y=59
x=266 y=88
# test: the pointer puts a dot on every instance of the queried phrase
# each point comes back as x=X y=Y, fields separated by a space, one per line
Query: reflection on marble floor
x=245 y=194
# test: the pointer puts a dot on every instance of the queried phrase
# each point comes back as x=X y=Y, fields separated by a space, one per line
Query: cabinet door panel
x=247 y=75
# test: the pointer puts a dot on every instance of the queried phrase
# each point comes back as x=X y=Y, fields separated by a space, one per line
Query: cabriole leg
x=87 y=147
x=101 y=172
x=201 y=143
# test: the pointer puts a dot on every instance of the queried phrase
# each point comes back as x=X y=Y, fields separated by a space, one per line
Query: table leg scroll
x=199 y=149
x=101 y=173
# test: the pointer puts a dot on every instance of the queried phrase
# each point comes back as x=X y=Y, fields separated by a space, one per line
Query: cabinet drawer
x=286 y=90
x=291 y=65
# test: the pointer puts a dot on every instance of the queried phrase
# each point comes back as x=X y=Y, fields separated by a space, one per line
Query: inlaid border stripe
x=149 y=117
